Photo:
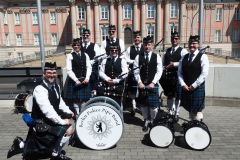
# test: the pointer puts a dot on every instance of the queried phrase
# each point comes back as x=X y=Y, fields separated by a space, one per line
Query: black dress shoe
x=60 y=157
x=176 y=118
x=15 y=149
x=145 y=127
x=133 y=112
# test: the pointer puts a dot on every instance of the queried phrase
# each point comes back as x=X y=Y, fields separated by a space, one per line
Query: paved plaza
x=223 y=123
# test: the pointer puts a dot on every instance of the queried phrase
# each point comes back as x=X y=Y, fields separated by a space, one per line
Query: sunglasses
x=85 y=35
x=175 y=38
x=111 y=31
x=113 y=50
x=76 y=45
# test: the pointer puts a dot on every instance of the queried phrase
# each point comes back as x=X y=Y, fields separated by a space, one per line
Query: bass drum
x=100 y=125
x=162 y=133
x=23 y=102
x=197 y=135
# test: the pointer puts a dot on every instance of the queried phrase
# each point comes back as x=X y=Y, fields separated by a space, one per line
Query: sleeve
x=103 y=47
x=88 y=67
x=102 y=71
x=159 y=70
x=180 y=75
x=127 y=56
x=121 y=43
x=69 y=68
x=204 y=72
x=41 y=96
x=136 y=71
x=183 y=52
x=124 y=70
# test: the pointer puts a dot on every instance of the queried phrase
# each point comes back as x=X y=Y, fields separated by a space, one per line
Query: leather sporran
x=41 y=126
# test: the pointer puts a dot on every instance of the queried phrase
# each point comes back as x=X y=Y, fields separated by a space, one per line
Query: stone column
x=213 y=19
x=158 y=17
x=120 y=35
x=182 y=20
x=11 y=35
x=207 y=24
x=73 y=18
x=135 y=15
x=111 y=11
x=88 y=18
x=96 y=22
x=2 y=26
x=225 y=22
x=143 y=18
x=166 y=21
x=231 y=14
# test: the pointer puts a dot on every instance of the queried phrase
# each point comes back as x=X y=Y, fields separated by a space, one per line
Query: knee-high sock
x=63 y=142
x=177 y=105
x=191 y=115
x=144 y=112
x=56 y=147
x=134 y=103
x=153 y=113
x=170 y=105
x=198 y=116
x=21 y=144
x=76 y=107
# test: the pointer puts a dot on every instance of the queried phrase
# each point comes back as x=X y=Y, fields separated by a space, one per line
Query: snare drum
x=197 y=135
x=162 y=133
x=23 y=102
x=100 y=125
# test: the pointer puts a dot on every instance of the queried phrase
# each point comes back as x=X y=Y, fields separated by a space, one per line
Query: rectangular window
x=5 y=17
x=235 y=36
x=37 y=55
x=127 y=11
x=19 y=39
x=151 y=32
x=104 y=33
x=237 y=14
x=20 y=57
x=174 y=29
x=54 y=39
x=52 y=18
x=17 y=18
x=34 y=18
x=217 y=36
x=6 y=40
x=104 y=11
x=174 y=10
x=218 y=51
x=81 y=12
x=150 y=10
x=219 y=14
x=235 y=53
x=36 y=39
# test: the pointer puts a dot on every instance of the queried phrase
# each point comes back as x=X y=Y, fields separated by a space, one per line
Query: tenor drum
x=23 y=102
x=100 y=125
x=162 y=133
x=197 y=135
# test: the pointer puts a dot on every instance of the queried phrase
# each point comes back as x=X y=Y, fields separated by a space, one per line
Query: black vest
x=174 y=57
x=79 y=65
x=192 y=71
x=149 y=70
x=108 y=45
x=90 y=51
x=113 y=70
x=37 y=113
x=133 y=52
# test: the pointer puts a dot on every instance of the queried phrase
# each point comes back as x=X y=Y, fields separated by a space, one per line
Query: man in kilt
x=148 y=76
x=192 y=71
x=105 y=47
x=130 y=56
x=92 y=51
x=169 y=82
x=49 y=108
x=79 y=70
x=110 y=69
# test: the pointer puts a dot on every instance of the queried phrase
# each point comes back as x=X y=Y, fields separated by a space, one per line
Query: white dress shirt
x=183 y=52
x=41 y=95
x=127 y=54
x=104 y=44
x=69 y=67
x=96 y=49
x=159 y=68
x=106 y=78
x=204 y=67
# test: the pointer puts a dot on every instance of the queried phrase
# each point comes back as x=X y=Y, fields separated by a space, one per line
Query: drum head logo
x=99 y=127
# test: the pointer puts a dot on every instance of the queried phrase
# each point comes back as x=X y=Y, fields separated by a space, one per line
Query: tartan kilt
x=130 y=83
x=94 y=76
x=178 y=91
x=151 y=100
x=194 y=101
x=80 y=92
x=36 y=142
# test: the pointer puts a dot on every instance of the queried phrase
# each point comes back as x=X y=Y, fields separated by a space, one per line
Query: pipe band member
x=169 y=82
x=78 y=70
x=148 y=75
x=192 y=71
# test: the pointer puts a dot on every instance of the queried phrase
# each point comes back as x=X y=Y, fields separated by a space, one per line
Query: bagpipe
x=203 y=50
x=155 y=45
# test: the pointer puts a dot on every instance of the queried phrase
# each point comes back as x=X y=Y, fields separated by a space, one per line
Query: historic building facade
x=65 y=19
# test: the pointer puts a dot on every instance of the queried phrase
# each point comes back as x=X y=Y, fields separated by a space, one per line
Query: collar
x=49 y=85
x=194 y=53
x=88 y=43
x=76 y=51
x=149 y=54
x=137 y=45
x=175 y=48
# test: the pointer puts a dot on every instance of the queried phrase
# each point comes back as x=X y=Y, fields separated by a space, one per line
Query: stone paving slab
x=223 y=123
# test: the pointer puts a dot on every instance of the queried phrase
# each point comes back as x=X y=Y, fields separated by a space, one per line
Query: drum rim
x=168 y=129
x=14 y=103
x=108 y=105
x=30 y=95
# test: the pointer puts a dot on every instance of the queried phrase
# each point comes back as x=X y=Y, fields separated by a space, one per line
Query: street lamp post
x=191 y=22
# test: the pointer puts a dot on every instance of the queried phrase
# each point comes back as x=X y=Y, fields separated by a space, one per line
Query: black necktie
x=112 y=41
x=113 y=59
x=53 y=90
x=173 y=50
x=147 y=59
x=190 y=58
x=85 y=47
x=79 y=55
x=137 y=50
